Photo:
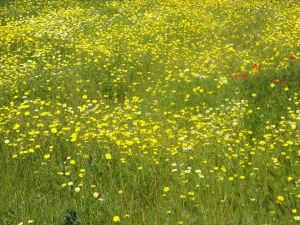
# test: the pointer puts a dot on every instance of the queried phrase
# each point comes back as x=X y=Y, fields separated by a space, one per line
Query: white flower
x=198 y=171
x=96 y=194
x=297 y=218
x=187 y=171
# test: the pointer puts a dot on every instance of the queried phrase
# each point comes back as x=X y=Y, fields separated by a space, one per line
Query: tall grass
x=149 y=112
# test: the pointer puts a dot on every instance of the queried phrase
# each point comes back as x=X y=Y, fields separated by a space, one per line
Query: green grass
x=196 y=102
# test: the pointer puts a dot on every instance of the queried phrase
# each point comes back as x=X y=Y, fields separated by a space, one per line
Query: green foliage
x=149 y=112
x=71 y=218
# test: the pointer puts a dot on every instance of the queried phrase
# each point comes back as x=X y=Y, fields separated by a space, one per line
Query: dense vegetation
x=156 y=112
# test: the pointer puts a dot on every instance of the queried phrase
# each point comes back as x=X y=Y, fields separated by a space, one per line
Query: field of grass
x=150 y=112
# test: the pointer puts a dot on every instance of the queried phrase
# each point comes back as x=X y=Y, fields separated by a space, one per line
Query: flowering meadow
x=150 y=112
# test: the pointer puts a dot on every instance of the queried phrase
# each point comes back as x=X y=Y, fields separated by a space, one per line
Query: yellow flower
x=72 y=162
x=116 y=219
x=73 y=137
x=280 y=199
x=242 y=177
x=289 y=179
x=54 y=130
x=166 y=189
x=84 y=96
x=108 y=156
x=16 y=126
x=182 y=196
x=47 y=156
x=272 y=85
x=67 y=173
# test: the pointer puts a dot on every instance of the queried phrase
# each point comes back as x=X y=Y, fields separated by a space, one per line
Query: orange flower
x=126 y=197
x=292 y=58
x=238 y=75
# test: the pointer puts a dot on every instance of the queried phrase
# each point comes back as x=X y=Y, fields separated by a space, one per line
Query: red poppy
x=276 y=80
x=235 y=75
x=254 y=65
x=238 y=75
x=292 y=58
x=284 y=83
x=126 y=197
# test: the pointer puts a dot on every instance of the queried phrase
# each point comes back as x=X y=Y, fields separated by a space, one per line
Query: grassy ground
x=156 y=112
